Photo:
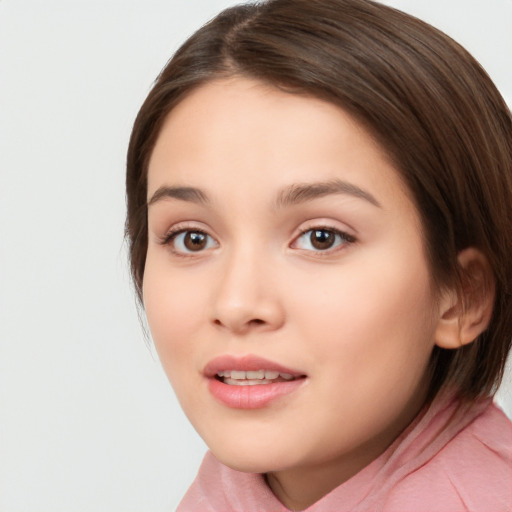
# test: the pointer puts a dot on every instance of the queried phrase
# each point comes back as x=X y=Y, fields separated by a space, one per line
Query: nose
x=247 y=297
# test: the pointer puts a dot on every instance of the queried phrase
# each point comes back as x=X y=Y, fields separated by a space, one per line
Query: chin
x=245 y=465
x=251 y=460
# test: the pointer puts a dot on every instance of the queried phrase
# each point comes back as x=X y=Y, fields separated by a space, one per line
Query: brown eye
x=322 y=239
x=194 y=240
x=189 y=241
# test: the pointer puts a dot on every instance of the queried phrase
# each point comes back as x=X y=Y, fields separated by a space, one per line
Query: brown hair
x=428 y=102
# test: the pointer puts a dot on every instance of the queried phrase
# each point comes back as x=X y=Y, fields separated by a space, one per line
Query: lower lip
x=251 y=397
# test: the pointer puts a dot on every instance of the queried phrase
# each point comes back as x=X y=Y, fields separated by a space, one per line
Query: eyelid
x=346 y=237
x=171 y=234
x=180 y=227
x=174 y=232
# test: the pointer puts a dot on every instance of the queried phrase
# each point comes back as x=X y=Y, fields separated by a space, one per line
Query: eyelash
x=342 y=239
x=170 y=238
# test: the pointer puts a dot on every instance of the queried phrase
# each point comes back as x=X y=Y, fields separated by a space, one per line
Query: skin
x=358 y=319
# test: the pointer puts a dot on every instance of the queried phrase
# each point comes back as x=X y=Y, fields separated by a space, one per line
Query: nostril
x=242 y=326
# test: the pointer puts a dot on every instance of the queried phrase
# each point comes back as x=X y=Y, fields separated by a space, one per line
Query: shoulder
x=471 y=472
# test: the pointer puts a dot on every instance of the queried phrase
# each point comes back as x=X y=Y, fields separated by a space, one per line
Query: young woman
x=319 y=204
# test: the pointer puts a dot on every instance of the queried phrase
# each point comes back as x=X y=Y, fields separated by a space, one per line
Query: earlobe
x=465 y=315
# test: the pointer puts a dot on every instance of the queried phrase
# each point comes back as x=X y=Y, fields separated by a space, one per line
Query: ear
x=464 y=315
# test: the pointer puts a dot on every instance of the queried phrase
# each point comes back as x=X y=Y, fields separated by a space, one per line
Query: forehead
x=246 y=134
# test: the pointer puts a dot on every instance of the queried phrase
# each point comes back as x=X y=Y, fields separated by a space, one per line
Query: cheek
x=371 y=318
x=173 y=308
x=369 y=337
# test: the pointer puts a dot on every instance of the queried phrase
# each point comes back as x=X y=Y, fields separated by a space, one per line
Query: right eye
x=189 y=241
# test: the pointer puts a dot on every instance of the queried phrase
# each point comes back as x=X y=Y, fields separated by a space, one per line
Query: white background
x=88 y=421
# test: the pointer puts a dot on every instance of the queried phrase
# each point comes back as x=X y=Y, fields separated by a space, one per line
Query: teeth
x=246 y=382
x=259 y=376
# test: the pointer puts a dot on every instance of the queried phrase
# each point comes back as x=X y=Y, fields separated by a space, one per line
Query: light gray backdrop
x=88 y=422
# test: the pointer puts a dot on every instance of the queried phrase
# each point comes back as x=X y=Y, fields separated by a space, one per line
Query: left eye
x=191 y=241
x=321 y=239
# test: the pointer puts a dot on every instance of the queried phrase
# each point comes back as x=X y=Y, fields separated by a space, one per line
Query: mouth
x=250 y=382
x=253 y=378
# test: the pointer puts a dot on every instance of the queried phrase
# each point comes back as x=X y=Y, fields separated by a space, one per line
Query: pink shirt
x=444 y=462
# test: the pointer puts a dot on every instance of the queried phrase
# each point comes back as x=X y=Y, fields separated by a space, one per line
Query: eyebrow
x=292 y=195
x=303 y=192
x=190 y=194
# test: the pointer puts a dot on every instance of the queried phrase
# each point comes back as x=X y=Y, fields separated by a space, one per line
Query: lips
x=250 y=382
x=246 y=364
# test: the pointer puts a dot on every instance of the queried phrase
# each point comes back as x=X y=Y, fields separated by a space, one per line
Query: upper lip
x=246 y=363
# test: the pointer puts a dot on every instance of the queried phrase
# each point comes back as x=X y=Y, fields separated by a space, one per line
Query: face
x=286 y=284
